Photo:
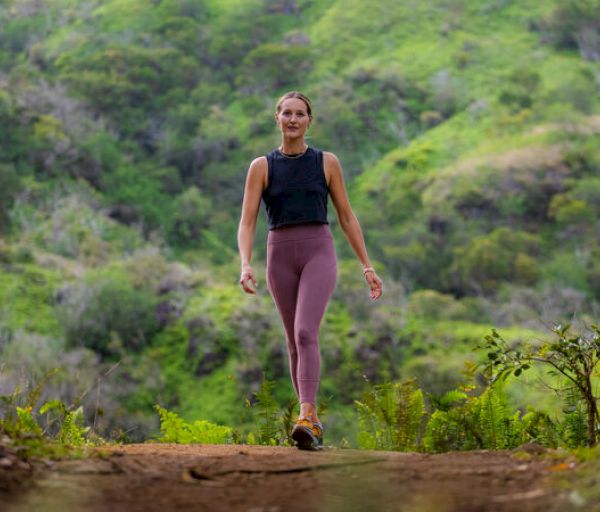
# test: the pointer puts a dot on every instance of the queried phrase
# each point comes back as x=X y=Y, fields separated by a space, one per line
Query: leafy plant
x=539 y=426
x=465 y=422
x=390 y=416
x=72 y=429
x=499 y=428
x=107 y=313
x=274 y=424
x=267 y=408
x=175 y=429
x=573 y=357
x=23 y=427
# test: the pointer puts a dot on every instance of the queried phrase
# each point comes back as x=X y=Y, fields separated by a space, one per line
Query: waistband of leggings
x=299 y=232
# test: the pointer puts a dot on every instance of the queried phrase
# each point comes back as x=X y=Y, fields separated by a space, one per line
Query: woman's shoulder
x=258 y=162
x=330 y=159
x=259 y=168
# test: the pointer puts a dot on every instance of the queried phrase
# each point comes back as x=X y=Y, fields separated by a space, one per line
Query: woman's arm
x=255 y=184
x=348 y=221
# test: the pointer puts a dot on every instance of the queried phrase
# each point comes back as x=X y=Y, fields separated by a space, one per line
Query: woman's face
x=293 y=119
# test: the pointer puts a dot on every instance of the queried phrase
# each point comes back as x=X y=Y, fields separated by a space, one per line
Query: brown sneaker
x=307 y=434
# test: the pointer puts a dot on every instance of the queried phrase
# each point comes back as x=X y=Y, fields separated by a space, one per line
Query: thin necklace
x=298 y=155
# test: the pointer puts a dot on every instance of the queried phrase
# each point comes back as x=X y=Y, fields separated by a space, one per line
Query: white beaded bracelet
x=368 y=269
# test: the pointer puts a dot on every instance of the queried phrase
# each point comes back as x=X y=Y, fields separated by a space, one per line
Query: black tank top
x=297 y=189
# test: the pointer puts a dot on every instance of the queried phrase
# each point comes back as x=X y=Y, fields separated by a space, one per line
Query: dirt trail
x=163 y=477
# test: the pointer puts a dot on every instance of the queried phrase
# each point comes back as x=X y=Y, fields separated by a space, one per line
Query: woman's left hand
x=375 y=284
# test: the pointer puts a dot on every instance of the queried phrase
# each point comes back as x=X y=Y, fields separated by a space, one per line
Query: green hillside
x=468 y=133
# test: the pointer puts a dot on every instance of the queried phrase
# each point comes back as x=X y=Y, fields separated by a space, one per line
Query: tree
x=574 y=357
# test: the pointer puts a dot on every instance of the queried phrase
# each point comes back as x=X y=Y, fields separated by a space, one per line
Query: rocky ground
x=163 y=477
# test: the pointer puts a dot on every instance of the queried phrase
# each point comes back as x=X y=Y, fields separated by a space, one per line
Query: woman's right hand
x=247 y=276
x=375 y=284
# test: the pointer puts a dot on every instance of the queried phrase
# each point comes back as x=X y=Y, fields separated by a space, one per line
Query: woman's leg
x=316 y=285
x=282 y=281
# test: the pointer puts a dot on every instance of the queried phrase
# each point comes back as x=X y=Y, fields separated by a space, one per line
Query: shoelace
x=315 y=427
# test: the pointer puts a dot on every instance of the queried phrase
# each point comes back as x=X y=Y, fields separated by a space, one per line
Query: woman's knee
x=305 y=337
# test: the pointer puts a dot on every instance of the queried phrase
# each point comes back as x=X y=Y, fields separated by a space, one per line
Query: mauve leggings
x=301 y=276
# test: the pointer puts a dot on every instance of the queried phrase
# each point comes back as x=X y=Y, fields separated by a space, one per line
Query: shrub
x=174 y=429
x=274 y=423
x=574 y=25
x=593 y=273
x=9 y=186
x=273 y=66
x=192 y=212
x=515 y=185
x=76 y=228
x=435 y=305
x=522 y=85
x=503 y=255
x=106 y=313
x=63 y=430
x=137 y=198
x=574 y=357
x=465 y=422
x=391 y=417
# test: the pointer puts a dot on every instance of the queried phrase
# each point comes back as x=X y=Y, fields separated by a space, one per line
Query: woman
x=294 y=180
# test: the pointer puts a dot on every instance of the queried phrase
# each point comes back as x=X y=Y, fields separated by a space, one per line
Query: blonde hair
x=297 y=95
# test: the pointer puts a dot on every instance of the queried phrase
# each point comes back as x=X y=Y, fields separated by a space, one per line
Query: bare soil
x=165 y=477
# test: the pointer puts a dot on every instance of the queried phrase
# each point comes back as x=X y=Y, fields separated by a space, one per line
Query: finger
x=376 y=291
x=248 y=289
x=244 y=283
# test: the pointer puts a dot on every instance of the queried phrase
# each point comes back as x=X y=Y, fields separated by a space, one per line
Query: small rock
x=6 y=462
x=23 y=465
x=531 y=448
x=576 y=499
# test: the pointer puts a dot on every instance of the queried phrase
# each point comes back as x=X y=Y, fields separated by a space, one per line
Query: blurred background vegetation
x=469 y=136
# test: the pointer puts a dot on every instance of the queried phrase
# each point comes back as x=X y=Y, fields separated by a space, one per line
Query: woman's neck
x=293 y=147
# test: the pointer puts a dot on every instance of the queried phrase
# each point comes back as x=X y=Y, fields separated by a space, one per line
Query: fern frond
x=268 y=411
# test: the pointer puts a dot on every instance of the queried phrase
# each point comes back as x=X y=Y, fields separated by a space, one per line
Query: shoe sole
x=320 y=439
x=305 y=439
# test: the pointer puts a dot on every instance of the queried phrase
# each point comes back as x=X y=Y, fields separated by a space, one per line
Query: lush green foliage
x=395 y=416
x=52 y=430
x=464 y=422
x=468 y=136
x=174 y=429
x=274 y=422
x=269 y=423
x=394 y=413
x=575 y=358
